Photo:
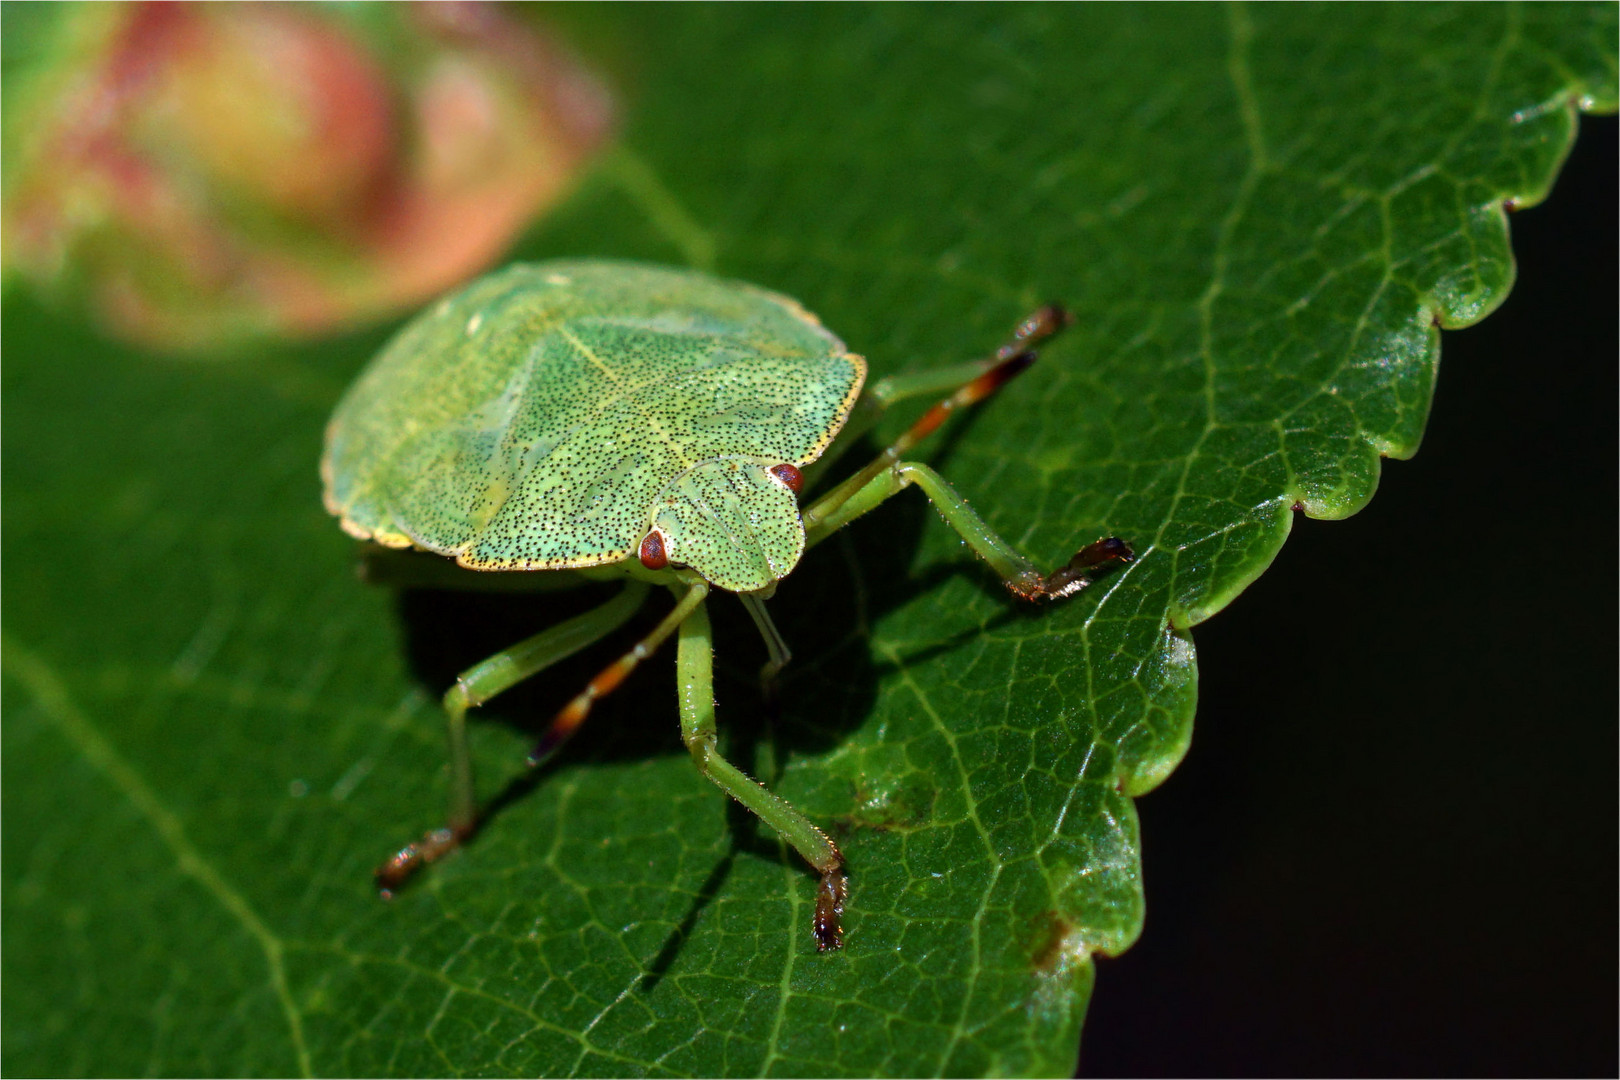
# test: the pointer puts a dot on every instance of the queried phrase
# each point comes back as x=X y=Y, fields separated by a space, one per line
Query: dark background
x=1391 y=849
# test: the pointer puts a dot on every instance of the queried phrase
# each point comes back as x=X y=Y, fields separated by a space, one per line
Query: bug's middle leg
x=694 y=665
x=776 y=647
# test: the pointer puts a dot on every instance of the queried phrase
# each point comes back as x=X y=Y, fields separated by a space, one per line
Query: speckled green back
x=546 y=414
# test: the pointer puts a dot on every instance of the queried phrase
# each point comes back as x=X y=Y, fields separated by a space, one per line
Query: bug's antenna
x=1013 y=357
x=865 y=489
x=608 y=679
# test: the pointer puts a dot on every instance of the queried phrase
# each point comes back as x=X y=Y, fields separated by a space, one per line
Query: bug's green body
x=616 y=419
x=548 y=416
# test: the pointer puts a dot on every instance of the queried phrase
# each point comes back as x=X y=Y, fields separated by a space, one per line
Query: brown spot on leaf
x=1051 y=942
x=902 y=803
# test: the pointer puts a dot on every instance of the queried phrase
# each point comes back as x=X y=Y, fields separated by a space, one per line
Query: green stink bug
x=617 y=420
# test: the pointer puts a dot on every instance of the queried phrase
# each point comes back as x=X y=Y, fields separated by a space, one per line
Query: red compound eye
x=652 y=551
x=790 y=476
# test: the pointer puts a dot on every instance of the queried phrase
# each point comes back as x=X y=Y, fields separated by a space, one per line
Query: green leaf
x=1261 y=216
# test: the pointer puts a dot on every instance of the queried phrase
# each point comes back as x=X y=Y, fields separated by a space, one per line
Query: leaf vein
x=48 y=688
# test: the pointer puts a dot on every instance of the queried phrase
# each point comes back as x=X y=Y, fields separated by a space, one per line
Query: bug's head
x=735 y=520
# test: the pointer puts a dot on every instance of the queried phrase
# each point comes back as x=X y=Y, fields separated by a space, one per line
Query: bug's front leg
x=694 y=664
x=477 y=685
x=1022 y=577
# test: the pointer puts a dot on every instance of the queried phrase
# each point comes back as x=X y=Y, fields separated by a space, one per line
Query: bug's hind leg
x=477 y=685
x=695 y=672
